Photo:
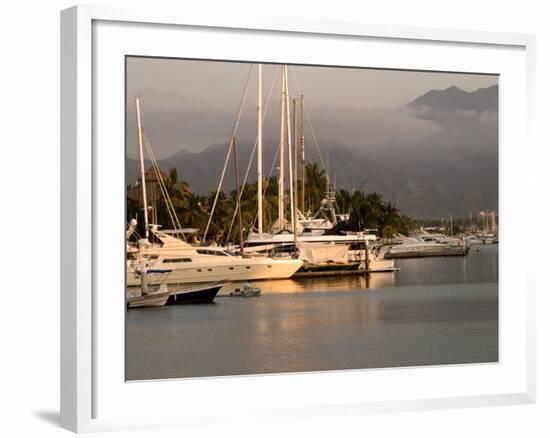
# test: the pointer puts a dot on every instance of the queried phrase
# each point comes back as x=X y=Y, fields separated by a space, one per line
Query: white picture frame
x=87 y=376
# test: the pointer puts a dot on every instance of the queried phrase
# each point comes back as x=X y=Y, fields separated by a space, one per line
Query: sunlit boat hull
x=254 y=269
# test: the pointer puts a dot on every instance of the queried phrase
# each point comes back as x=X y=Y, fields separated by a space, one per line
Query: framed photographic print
x=273 y=218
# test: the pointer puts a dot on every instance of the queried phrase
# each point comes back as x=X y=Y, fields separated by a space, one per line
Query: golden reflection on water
x=319 y=284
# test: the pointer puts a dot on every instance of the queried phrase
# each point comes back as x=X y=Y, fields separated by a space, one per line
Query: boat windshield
x=217 y=252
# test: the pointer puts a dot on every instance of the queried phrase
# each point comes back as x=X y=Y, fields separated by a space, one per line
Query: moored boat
x=198 y=264
x=246 y=291
x=199 y=294
x=412 y=247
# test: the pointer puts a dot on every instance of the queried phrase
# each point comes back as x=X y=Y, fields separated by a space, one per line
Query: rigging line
x=308 y=120
x=136 y=167
x=160 y=180
x=275 y=159
x=164 y=190
x=236 y=127
x=251 y=157
x=270 y=171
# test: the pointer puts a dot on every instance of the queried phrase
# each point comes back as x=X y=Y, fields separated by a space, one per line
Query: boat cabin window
x=184 y=260
x=210 y=252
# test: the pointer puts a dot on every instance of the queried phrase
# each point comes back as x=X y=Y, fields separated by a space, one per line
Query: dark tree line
x=366 y=210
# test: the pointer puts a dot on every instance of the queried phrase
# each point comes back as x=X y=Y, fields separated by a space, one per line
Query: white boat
x=413 y=247
x=439 y=238
x=186 y=263
x=160 y=296
x=153 y=300
x=196 y=264
x=284 y=242
x=247 y=291
x=377 y=260
x=473 y=240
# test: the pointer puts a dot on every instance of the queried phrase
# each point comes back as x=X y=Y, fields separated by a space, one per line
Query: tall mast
x=295 y=131
x=143 y=186
x=303 y=153
x=238 y=191
x=290 y=170
x=282 y=154
x=260 y=158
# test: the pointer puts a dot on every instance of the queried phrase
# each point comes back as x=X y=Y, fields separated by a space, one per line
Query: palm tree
x=194 y=215
x=391 y=221
x=315 y=186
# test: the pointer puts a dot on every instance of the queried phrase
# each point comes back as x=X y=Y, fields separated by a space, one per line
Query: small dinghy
x=160 y=296
x=155 y=298
x=247 y=291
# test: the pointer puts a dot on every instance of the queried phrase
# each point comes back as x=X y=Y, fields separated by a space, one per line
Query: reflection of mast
x=143 y=186
x=282 y=154
x=260 y=145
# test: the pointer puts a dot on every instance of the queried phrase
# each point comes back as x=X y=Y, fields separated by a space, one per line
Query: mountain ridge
x=454 y=171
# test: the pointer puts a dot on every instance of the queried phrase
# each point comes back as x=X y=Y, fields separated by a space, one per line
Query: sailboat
x=307 y=230
x=188 y=263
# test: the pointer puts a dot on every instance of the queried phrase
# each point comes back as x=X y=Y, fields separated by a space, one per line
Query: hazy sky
x=192 y=104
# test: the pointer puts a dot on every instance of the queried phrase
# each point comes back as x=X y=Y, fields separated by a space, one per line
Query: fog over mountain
x=433 y=156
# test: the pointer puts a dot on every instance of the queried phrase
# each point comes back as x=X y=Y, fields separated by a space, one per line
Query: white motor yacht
x=414 y=247
x=187 y=263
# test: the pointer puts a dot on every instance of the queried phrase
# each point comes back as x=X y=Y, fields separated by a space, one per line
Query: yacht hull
x=255 y=270
x=381 y=266
x=431 y=252
x=201 y=296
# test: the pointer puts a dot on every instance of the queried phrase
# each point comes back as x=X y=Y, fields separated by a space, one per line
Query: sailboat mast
x=289 y=144
x=238 y=191
x=143 y=186
x=260 y=158
x=295 y=130
x=282 y=154
x=303 y=153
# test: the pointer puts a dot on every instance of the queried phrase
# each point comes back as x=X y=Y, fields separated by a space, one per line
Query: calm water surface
x=433 y=311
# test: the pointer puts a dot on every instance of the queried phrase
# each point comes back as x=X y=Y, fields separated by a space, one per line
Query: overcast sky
x=189 y=105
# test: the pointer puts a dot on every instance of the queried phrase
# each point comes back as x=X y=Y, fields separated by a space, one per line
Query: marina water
x=434 y=311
